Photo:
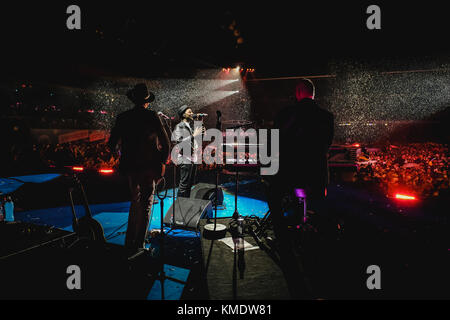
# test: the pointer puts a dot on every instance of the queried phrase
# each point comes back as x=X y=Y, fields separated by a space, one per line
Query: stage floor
x=240 y=272
x=357 y=229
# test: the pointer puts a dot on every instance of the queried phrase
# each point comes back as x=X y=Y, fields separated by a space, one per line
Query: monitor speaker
x=206 y=191
x=188 y=213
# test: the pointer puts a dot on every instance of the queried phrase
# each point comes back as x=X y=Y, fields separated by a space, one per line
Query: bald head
x=304 y=89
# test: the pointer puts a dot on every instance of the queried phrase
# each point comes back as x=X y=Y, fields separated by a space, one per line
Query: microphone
x=164 y=116
x=200 y=115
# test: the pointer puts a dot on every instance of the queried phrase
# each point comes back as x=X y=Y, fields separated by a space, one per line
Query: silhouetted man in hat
x=144 y=150
x=306 y=133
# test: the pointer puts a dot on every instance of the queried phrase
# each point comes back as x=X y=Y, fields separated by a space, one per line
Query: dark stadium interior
x=389 y=91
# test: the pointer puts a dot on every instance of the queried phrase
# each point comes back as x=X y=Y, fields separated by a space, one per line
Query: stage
x=357 y=228
x=236 y=271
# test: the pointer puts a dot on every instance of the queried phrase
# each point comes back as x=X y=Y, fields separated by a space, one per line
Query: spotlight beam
x=291 y=78
x=334 y=76
x=414 y=71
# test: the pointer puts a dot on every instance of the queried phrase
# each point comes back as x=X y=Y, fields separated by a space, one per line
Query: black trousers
x=187 y=177
x=294 y=274
x=141 y=188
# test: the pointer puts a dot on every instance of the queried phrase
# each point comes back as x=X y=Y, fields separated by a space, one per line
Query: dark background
x=174 y=40
x=279 y=38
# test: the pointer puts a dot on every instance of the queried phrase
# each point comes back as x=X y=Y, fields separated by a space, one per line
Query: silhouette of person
x=144 y=150
x=306 y=133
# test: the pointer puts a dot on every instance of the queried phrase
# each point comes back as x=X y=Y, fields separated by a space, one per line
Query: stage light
x=77 y=168
x=106 y=171
x=404 y=197
x=300 y=193
x=357 y=145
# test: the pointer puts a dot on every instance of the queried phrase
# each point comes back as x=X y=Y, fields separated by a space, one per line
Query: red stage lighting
x=404 y=197
x=106 y=171
x=77 y=168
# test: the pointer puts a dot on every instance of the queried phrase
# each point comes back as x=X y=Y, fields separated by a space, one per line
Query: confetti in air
x=368 y=104
x=206 y=93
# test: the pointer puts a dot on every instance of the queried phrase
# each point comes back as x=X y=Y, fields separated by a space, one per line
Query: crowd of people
x=418 y=168
x=55 y=117
x=92 y=155
x=89 y=155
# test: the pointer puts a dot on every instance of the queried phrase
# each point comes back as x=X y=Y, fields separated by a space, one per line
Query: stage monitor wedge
x=188 y=213
x=207 y=191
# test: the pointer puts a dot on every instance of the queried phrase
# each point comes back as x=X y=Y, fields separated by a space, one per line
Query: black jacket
x=139 y=132
x=306 y=133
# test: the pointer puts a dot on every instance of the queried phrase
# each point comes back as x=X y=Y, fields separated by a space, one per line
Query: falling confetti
x=207 y=91
x=369 y=104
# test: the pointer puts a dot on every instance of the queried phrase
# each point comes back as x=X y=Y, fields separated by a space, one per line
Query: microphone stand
x=169 y=125
x=174 y=183
x=217 y=231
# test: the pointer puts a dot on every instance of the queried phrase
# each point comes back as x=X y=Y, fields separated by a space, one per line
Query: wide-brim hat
x=182 y=110
x=140 y=94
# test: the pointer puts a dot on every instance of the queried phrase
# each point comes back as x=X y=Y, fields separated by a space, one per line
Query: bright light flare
x=79 y=169
x=106 y=171
x=404 y=197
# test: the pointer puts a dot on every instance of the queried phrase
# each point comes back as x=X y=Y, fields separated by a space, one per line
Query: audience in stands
x=93 y=155
x=420 y=168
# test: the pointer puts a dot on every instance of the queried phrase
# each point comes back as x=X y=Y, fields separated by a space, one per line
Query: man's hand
x=197 y=131
x=163 y=172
